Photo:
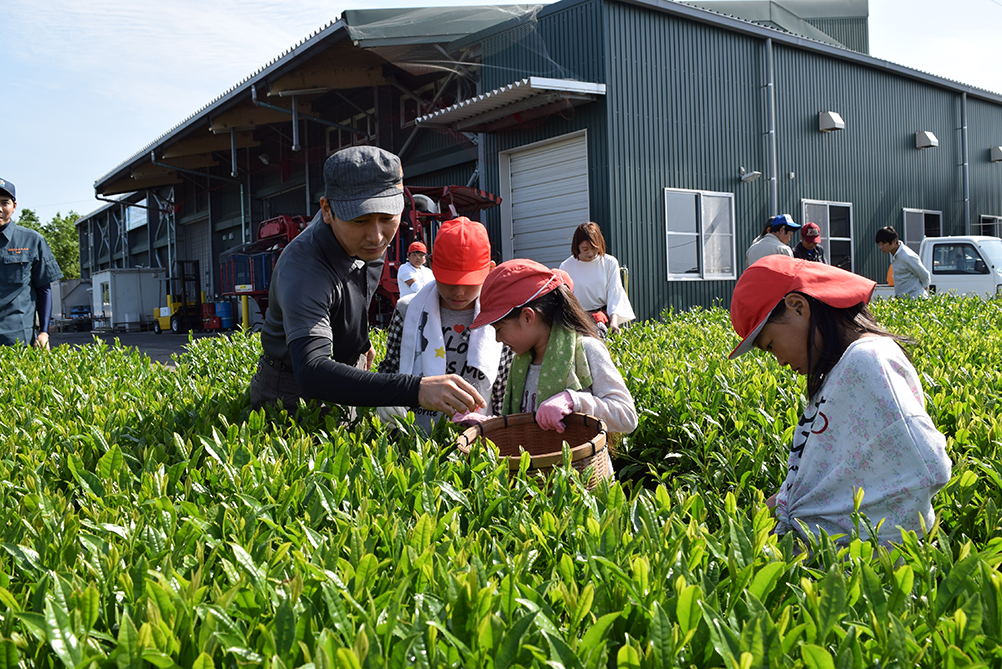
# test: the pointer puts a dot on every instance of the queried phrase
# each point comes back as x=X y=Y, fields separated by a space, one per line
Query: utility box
x=124 y=299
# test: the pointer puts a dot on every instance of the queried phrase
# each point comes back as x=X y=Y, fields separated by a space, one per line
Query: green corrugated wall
x=686 y=108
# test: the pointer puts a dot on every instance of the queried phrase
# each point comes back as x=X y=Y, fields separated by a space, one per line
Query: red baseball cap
x=810 y=230
x=514 y=284
x=462 y=253
x=418 y=247
x=767 y=281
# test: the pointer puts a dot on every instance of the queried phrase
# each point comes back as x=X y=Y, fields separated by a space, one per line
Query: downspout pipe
x=967 y=172
x=234 y=172
x=770 y=92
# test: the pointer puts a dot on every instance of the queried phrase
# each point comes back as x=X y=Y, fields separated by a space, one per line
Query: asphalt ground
x=159 y=347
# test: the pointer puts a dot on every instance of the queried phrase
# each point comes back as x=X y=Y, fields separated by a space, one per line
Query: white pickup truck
x=965 y=265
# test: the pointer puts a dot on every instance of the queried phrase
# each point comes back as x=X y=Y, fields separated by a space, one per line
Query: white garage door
x=546 y=198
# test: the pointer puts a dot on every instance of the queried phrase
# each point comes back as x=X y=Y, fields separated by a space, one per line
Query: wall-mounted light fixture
x=264 y=158
x=829 y=120
x=925 y=140
x=996 y=153
x=749 y=176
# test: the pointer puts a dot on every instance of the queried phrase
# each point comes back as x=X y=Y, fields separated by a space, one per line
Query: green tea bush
x=150 y=519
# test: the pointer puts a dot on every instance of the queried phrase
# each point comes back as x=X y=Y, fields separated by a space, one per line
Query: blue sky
x=88 y=84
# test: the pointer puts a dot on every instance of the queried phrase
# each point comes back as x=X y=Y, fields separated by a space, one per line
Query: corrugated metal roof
x=520 y=97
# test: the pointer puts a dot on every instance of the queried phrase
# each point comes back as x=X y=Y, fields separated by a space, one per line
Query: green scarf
x=564 y=367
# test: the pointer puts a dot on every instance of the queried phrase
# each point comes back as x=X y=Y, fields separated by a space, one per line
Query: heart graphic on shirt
x=459 y=327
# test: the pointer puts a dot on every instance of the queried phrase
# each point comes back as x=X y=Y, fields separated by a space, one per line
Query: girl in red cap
x=560 y=365
x=865 y=425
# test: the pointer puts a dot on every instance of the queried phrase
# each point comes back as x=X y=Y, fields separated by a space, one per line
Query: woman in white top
x=597 y=283
x=413 y=275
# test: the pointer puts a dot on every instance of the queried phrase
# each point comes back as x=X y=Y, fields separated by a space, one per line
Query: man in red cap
x=809 y=248
x=413 y=274
x=431 y=334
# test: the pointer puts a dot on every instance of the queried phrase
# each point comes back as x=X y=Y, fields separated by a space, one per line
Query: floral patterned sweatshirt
x=866 y=428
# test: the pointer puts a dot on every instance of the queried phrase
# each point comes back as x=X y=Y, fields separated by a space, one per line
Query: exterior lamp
x=996 y=154
x=749 y=176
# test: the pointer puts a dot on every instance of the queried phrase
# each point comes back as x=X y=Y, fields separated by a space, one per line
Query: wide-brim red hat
x=767 y=281
x=462 y=253
x=514 y=284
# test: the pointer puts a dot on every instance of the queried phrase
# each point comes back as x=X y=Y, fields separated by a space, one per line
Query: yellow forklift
x=184 y=300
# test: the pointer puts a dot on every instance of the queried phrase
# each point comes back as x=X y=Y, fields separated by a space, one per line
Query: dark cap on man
x=363 y=180
x=810 y=231
x=8 y=188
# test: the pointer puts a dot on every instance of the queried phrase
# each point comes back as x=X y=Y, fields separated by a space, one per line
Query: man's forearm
x=319 y=377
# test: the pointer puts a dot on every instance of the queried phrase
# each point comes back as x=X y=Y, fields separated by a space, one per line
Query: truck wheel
x=156 y=326
x=175 y=325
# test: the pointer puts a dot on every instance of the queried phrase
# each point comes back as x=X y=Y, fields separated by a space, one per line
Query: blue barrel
x=225 y=312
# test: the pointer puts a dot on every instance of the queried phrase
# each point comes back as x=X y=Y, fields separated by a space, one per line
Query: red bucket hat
x=417 y=246
x=766 y=282
x=462 y=253
x=514 y=284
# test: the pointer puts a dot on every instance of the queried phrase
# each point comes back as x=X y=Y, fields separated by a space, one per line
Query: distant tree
x=61 y=234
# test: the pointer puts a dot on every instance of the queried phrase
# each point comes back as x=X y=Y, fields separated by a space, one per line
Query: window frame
x=996 y=223
x=826 y=237
x=914 y=244
x=700 y=236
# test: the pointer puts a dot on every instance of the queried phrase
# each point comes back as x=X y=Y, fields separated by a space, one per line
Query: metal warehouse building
x=679 y=129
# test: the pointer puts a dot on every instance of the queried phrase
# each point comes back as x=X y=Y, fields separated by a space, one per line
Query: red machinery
x=247 y=269
x=424 y=208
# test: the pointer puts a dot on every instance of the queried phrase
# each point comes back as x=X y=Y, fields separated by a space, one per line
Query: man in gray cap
x=315 y=338
x=27 y=270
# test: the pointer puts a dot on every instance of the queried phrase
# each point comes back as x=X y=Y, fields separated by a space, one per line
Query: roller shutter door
x=548 y=199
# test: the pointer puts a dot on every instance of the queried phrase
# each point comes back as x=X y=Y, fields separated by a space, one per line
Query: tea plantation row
x=149 y=519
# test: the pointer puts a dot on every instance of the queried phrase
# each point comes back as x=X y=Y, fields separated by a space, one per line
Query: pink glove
x=551 y=412
x=469 y=419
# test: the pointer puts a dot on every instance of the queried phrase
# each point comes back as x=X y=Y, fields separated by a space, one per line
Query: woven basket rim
x=595 y=445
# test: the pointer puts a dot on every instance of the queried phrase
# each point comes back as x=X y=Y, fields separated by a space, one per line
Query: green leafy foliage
x=61 y=234
x=150 y=519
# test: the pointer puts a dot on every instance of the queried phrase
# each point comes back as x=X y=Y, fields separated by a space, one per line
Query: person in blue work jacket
x=27 y=270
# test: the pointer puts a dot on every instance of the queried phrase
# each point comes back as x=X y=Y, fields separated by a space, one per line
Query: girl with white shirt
x=597 y=283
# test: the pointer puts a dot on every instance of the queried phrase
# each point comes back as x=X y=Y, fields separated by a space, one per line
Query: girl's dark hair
x=834 y=325
x=560 y=306
x=587 y=232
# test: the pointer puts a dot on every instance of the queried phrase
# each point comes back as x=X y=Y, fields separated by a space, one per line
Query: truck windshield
x=993 y=249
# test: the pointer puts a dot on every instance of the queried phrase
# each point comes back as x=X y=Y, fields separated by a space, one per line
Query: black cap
x=8 y=187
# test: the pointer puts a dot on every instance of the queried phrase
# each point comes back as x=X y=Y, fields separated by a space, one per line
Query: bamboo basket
x=586 y=436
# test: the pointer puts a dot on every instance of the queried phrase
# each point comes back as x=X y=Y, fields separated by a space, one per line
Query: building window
x=835 y=221
x=990 y=226
x=919 y=224
x=340 y=139
x=957 y=258
x=409 y=107
x=700 y=234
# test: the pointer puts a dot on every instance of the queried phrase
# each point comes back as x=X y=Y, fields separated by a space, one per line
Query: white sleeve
x=405 y=274
x=616 y=299
x=608 y=397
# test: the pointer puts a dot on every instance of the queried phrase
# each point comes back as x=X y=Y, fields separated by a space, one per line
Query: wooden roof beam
x=207 y=144
x=331 y=79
